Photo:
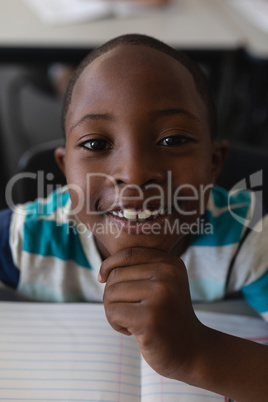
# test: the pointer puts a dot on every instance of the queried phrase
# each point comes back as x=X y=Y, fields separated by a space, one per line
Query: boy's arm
x=147 y=294
x=232 y=366
x=9 y=273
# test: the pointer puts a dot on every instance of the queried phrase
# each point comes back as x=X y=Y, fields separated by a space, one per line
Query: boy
x=140 y=158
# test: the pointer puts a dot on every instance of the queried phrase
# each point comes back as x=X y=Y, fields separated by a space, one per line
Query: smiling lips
x=138 y=215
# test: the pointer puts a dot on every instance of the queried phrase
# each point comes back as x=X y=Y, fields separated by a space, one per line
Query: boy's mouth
x=138 y=221
x=140 y=215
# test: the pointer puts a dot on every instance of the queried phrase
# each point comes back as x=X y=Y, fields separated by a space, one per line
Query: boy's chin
x=112 y=246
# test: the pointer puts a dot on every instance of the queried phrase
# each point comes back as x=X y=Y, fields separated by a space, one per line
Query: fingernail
x=99 y=277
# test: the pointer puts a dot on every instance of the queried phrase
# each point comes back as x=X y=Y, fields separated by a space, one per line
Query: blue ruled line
x=71 y=389
x=63 y=360
x=68 y=370
x=70 y=351
x=183 y=393
x=129 y=384
x=53 y=399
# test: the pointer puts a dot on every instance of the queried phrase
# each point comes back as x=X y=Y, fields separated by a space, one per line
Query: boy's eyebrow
x=156 y=113
x=93 y=116
x=174 y=111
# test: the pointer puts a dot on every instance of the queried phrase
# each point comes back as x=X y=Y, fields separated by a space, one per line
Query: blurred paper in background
x=71 y=11
x=256 y=11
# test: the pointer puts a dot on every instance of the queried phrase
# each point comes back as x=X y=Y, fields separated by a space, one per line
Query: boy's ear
x=219 y=153
x=59 y=155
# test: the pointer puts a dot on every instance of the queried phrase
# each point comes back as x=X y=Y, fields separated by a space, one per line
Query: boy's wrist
x=190 y=370
x=227 y=365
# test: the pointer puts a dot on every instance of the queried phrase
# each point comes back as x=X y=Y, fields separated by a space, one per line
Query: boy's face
x=137 y=138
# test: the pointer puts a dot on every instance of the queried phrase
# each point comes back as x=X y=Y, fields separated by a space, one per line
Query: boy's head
x=199 y=78
x=140 y=150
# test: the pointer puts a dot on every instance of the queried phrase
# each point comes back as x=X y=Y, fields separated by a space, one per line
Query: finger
x=134 y=273
x=150 y=271
x=134 y=291
x=127 y=318
x=128 y=257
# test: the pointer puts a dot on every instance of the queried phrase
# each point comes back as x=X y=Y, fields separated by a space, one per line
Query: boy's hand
x=147 y=294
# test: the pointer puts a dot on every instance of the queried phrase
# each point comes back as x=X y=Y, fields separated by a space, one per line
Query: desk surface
x=235 y=306
x=191 y=24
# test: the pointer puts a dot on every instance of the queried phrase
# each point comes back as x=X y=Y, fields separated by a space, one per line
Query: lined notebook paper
x=68 y=352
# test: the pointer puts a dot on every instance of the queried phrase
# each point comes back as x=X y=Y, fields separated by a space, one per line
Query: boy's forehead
x=142 y=59
x=135 y=71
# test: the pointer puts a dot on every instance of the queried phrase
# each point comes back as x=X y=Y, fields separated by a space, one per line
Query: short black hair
x=199 y=77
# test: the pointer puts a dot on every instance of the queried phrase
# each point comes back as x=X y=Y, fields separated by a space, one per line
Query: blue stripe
x=49 y=238
x=225 y=229
x=55 y=200
x=9 y=273
x=256 y=294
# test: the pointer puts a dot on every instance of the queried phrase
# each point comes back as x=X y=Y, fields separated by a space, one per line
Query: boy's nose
x=138 y=168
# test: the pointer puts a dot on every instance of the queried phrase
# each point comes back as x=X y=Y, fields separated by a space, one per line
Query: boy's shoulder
x=48 y=227
x=227 y=217
x=228 y=253
x=57 y=258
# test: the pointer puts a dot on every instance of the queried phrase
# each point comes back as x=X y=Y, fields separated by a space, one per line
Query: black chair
x=39 y=161
x=241 y=163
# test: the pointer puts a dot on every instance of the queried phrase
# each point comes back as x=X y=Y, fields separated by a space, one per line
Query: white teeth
x=132 y=214
x=145 y=214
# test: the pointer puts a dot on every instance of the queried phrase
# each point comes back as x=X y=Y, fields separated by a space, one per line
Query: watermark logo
x=200 y=227
x=253 y=219
x=187 y=201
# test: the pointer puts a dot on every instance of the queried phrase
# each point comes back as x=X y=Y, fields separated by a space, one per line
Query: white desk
x=232 y=306
x=187 y=24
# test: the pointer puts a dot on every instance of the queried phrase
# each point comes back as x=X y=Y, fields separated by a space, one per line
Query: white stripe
x=16 y=235
x=264 y=315
x=251 y=262
x=58 y=277
x=216 y=211
x=209 y=262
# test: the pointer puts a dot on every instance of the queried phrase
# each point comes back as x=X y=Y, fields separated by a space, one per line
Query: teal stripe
x=49 y=238
x=225 y=229
x=56 y=200
x=44 y=293
x=204 y=289
x=256 y=294
x=221 y=200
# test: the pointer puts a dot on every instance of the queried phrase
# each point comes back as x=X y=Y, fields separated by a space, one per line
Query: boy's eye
x=175 y=140
x=97 y=145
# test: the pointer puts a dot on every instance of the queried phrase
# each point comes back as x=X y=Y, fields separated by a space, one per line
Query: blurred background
x=42 y=41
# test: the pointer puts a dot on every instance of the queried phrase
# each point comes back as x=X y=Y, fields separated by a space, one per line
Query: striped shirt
x=47 y=254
